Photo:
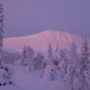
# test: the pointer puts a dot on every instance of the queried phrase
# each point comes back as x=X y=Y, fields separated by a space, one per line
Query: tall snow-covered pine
x=1 y=25
x=84 y=64
x=1 y=31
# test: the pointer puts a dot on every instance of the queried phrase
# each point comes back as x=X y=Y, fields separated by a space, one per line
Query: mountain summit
x=40 y=41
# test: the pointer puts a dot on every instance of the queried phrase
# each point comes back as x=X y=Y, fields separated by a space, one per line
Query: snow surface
x=11 y=87
x=40 y=41
x=33 y=81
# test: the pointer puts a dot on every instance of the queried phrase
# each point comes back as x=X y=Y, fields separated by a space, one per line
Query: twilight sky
x=25 y=17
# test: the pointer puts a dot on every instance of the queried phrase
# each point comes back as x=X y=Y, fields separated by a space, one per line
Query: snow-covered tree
x=1 y=25
x=5 y=75
x=57 y=54
x=1 y=31
x=38 y=61
x=23 y=58
x=63 y=62
x=50 y=55
x=73 y=68
x=50 y=70
x=84 y=64
x=27 y=58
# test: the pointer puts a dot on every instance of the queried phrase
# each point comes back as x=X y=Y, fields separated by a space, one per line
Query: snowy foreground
x=33 y=81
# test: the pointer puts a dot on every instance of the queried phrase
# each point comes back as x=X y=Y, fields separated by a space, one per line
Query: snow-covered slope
x=34 y=81
x=41 y=40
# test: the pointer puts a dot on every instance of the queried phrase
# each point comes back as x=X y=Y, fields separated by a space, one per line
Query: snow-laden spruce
x=84 y=74
x=5 y=71
x=27 y=58
x=51 y=68
x=78 y=67
x=73 y=68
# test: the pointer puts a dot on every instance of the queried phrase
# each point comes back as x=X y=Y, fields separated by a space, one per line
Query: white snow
x=33 y=81
x=40 y=41
x=11 y=87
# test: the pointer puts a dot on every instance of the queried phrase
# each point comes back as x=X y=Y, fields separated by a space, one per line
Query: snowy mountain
x=40 y=41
